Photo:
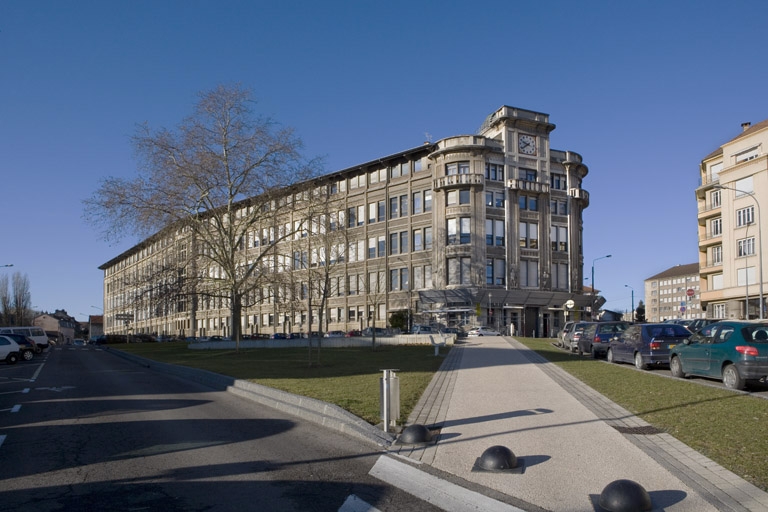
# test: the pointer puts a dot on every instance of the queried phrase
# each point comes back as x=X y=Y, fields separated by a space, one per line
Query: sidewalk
x=571 y=441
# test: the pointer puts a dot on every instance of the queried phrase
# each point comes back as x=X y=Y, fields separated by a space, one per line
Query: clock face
x=527 y=144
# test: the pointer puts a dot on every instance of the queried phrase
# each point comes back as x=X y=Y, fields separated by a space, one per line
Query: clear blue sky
x=643 y=91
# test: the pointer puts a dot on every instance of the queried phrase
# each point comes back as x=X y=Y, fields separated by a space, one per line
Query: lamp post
x=632 y=318
x=594 y=290
x=759 y=253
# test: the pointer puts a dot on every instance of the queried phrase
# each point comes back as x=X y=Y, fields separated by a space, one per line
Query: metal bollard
x=390 y=398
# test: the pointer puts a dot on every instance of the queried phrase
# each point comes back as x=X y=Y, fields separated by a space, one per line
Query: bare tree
x=22 y=299
x=6 y=313
x=219 y=185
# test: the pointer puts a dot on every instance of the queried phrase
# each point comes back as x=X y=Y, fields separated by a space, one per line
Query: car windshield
x=668 y=331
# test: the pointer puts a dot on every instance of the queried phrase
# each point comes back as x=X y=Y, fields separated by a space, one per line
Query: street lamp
x=633 y=301
x=594 y=290
x=759 y=252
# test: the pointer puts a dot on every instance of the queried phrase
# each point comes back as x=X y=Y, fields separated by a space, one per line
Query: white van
x=36 y=333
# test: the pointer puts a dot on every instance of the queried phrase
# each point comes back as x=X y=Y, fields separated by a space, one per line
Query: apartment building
x=482 y=229
x=734 y=183
x=673 y=294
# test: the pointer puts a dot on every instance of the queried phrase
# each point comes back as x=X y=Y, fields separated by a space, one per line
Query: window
x=394 y=208
x=716 y=255
x=393 y=246
x=715 y=199
x=455 y=197
x=558 y=207
x=529 y=273
x=417 y=166
x=745 y=216
x=399 y=170
x=495 y=271
x=382 y=246
x=528 y=203
x=457 y=168
x=560 y=276
x=746 y=247
x=498 y=199
x=529 y=235
x=494 y=232
x=458 y=231
x=382 y=210
x=417 y=202
x=427 y=200
x=418 y=278
x=371 y=213
x=528 y=174
x=716 y=227
x=371 y=248
x=747 y=155
x=558 y=181
x=403 y=242
x=743 y=274
x=361 y=215
x=418 y=243
x=718 y=310
x=744 y=186
x=459 y=271
x=404 y=206
x=559 y=238
x=427 y=239
x=717 y=282
x=494 y=172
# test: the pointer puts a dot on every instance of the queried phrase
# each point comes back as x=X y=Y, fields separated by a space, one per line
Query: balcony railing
x=459 y=180
x=528 y=186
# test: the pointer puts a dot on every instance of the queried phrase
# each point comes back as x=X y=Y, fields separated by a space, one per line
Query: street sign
x=682 y=309
x=125 y=317
x=569 y=304
x=690 y=292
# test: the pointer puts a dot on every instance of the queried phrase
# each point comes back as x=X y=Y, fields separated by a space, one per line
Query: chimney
x=745 y=126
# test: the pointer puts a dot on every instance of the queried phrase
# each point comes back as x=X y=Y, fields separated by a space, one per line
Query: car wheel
x=594 y=353
x=731 y=378
x=12 y=358
x=609 y=356
x=27 y=355
x=38 y=350
x=578 y=350
x=639 y=363
x=676 y=367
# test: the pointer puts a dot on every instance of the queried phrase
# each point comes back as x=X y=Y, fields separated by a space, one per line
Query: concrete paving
x=570 y=441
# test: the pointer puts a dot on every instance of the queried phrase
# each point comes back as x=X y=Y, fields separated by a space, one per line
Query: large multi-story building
x=734 y=182
x=673 y=294
x=471 y=229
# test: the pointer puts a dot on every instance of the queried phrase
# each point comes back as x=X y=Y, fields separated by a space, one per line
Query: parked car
x=646 y=345
x=9 y=350
x=334 y=334
x=79 y=342
x=27 y=346
x=482 y=331
x=571 y=341
x=353 y=333
x=278 y=336
x=700 y=323
x=380 y=331
x=733 y=351
x=567 y=328
x=421 y=329
x=596 y=337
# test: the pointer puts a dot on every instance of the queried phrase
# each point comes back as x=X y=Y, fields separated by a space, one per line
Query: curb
x=309 y=409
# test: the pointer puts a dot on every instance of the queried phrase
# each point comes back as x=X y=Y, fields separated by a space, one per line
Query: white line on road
x=15 y=408
x=2 y=439
x=434 y=490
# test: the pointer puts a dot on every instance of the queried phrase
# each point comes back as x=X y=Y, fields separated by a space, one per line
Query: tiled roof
x=678 y=270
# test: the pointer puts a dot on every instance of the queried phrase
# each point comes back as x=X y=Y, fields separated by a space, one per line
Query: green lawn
x=727 y=427
x=347 y=377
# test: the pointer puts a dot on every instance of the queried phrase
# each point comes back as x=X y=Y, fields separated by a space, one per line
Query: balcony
x=528 y=186
x=580 y=194
x=459 y=180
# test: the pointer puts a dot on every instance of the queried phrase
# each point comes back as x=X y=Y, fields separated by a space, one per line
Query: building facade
x=734 y=182
x=674 y=294
x=472 y=229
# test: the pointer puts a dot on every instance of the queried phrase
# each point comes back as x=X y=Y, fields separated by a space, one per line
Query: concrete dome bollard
x=497 y=458
x=415 y=434
x=625 y=496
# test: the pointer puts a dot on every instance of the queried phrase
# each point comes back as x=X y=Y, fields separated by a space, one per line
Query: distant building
x=734 y=182
x=95 y=326
x=673 y=294
x=59 y=326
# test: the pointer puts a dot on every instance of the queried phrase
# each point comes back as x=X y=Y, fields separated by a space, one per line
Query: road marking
x=15 y=408
x=355 y=504
x=2 y=439
x=56 y=389
x=434 y=490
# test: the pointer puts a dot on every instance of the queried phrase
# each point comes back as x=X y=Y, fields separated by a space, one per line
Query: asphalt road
x=82 y=429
